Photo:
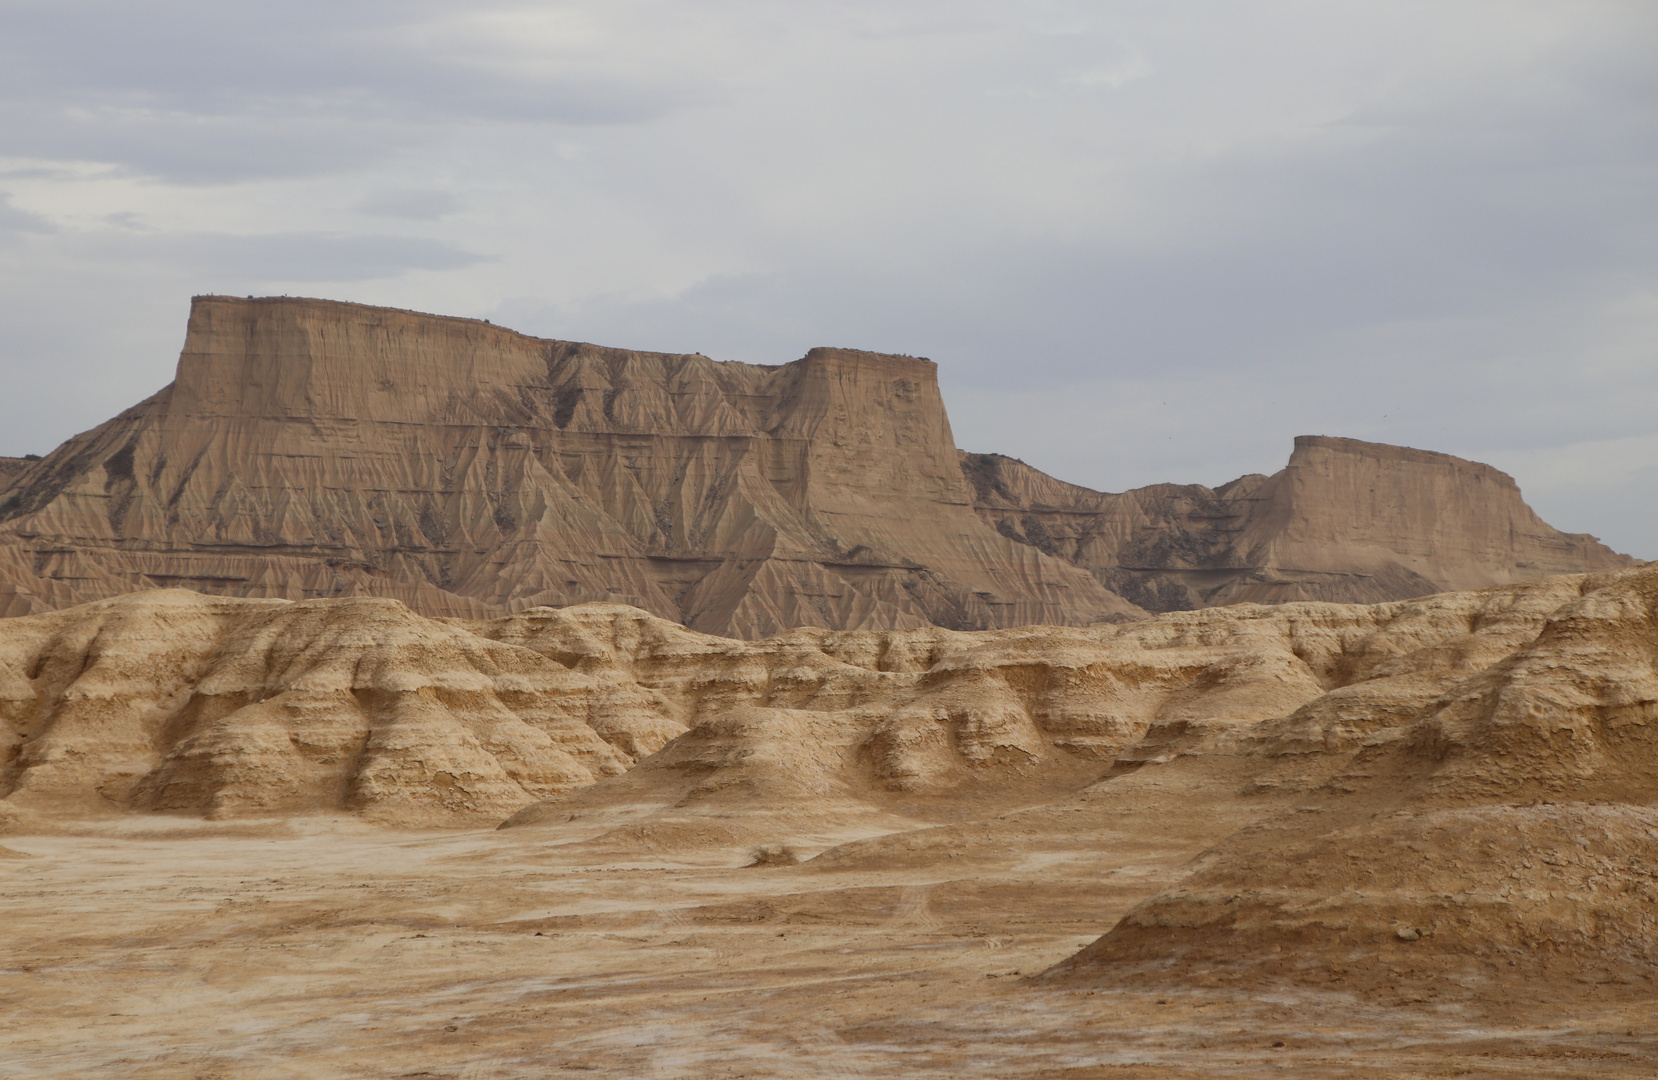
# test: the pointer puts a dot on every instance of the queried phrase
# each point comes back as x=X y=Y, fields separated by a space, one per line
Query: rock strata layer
x=171 y=700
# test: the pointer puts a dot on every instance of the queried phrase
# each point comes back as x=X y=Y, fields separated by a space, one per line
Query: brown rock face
x=1346 y=521
x=317 y=449
x=310 y=448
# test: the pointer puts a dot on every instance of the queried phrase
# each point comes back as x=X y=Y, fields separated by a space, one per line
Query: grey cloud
x=361 y=57
x=409 y=203
x=14 y=222
x=235 y=263
x=196 y=148
x=221 y=92
x=1470 y=206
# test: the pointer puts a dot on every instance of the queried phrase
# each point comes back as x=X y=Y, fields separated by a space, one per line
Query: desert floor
x=322 y=947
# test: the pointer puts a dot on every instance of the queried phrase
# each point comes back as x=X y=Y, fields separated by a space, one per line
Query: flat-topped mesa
x=312 y=448
x=280 y=358
x=1347 y=521
x=316 y=448
x=1459 y=524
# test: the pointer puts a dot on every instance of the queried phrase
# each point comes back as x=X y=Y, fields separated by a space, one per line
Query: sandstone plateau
x=312 y=449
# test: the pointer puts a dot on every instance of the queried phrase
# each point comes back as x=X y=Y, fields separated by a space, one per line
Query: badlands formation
x=311 y=449
x=266 y=838
x=434 y=768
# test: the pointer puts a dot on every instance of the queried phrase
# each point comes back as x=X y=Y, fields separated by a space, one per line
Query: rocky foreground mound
x=317 y=449
x=1503 y=831
x=170 y=700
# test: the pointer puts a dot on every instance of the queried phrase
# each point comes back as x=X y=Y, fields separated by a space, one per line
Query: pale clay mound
x=1504 y=834
x=311 y=449
x=176 y=700
x=171 y=700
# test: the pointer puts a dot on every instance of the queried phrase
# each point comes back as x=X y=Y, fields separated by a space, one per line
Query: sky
x=1144 y=241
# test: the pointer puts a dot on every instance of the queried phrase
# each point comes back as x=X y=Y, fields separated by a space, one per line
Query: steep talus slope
x=310 y=448
x=1346 y=521
x=1505 y=834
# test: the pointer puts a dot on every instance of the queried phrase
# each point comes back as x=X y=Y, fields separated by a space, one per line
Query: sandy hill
x=314 y=449
x=177 y=701
x=172 y=700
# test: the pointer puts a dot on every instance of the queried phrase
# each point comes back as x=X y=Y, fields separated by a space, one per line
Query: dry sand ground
x=322 y=947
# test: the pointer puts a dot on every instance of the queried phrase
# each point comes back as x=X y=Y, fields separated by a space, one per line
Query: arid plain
x=320 y=948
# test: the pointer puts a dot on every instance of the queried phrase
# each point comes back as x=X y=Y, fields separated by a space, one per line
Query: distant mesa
x=310 y=449
x=1347 y=521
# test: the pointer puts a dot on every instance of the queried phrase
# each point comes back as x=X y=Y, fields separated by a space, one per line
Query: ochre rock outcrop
x=310 y=448
x=1347 y=521
x=1449 y=792
x=171 y=700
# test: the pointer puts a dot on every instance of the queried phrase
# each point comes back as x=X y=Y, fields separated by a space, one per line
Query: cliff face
x=1346 y=521
x=315 y=449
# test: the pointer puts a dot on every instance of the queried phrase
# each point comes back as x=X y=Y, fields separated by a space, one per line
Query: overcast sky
x=1145 y=241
